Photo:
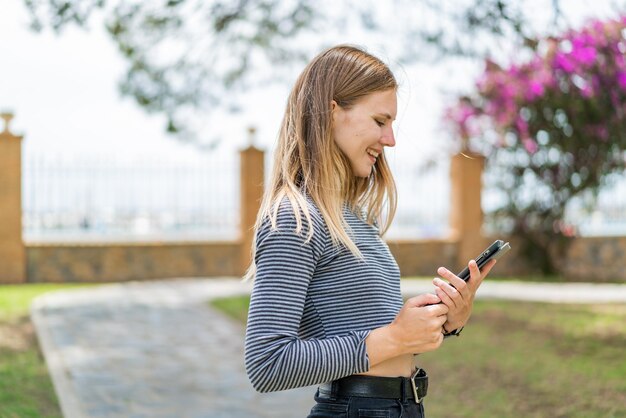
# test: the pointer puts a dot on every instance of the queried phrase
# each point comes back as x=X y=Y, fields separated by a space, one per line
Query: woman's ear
x=333 y=109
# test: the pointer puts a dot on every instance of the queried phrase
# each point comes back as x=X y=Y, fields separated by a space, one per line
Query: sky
x=63 y=92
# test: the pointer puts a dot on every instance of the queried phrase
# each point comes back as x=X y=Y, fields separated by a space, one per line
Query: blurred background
x=111 y=152
x=136 y=136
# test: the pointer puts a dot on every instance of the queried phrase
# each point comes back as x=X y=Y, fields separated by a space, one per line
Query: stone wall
x=597 y=259
x=111 y=262
x=421 y=258
x=592 y=259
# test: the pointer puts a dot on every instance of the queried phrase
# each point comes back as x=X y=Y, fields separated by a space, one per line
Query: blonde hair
x=307 y=160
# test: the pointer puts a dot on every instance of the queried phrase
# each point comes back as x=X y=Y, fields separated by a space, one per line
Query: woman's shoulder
x=299 y=222
x=294 y=210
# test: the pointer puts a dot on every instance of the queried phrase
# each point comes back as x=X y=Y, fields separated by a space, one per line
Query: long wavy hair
x=308 y=162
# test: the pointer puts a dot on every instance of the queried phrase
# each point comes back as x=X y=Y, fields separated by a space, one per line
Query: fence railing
x=114 y=200
x=603 y=216
x=70 y=200
x=423 y=200
x=102 y=200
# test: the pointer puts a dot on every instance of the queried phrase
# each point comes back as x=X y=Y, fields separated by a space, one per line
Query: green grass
x=524 y=359
x=236 y=307
x=15 y=299
x=26 y=390
x=532 y=360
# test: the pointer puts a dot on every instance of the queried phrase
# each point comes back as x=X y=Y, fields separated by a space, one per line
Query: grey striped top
x=313 y=304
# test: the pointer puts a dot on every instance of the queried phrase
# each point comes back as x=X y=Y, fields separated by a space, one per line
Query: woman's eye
x=379 y=123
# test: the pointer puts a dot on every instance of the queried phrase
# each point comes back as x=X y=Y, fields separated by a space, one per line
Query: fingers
x=478 y=275
x=439 y=310
x=436 y=324
x=447 y=293
x=486 y=269
x=432 y=340
x=474 y=272
x=423 y=300
x=421 y=321
x=430 y=305
x=455 y=281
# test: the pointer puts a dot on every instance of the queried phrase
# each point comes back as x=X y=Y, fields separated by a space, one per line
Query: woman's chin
x=364 y=173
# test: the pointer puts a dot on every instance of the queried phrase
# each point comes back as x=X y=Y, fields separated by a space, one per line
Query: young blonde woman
x=326 y=307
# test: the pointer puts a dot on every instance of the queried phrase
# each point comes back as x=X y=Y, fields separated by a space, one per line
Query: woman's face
x=362 y=131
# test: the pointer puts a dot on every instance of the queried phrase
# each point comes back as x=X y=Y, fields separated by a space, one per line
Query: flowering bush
x=553 y=126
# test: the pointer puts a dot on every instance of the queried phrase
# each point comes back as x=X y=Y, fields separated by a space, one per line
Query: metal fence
x=603 y=215
x=423 y=200
x=101 y=200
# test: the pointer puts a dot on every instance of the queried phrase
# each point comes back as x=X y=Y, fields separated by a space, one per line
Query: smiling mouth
x=373 y=153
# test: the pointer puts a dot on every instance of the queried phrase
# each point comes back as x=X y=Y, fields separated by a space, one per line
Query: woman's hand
x=418 y=324
x=416 y=329
x=458 y=295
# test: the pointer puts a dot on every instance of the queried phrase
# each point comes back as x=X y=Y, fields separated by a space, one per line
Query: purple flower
x=530 y=146
x=587 y=91
x=562 y=62
x=522 y=127
x=621 y=80
x=620 y=61
x=584 y=64
x=535 y=89
x=581 y=40
x=602 y=133
x=513 y=71
x=461 y=112
x=508 y=92
x=598 y=26
x=585 y=56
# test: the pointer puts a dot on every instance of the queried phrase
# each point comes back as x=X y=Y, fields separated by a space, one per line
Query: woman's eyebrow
x=386 y=115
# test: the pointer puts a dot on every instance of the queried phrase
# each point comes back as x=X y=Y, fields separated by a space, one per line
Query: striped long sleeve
x=314 y=304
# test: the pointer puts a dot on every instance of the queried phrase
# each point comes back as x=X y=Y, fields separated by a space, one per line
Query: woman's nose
x=388 y=139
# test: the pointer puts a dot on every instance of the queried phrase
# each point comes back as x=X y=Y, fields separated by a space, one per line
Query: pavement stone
x=156 y=349
x=153 y=349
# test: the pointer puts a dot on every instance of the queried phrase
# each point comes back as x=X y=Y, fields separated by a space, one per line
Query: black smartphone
x=493 y=252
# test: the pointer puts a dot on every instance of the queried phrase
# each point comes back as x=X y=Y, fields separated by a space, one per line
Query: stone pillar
x=252 y=169
x=466 y=215
x=12 y=251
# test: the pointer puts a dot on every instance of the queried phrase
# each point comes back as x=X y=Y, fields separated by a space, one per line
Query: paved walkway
x=154 y=349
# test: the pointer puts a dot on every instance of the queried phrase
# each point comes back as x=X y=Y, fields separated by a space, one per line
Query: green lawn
x=26 y=390
x=524 y=359
x=235 y=306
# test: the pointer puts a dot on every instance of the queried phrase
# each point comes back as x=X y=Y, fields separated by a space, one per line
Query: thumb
x=423 y=300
